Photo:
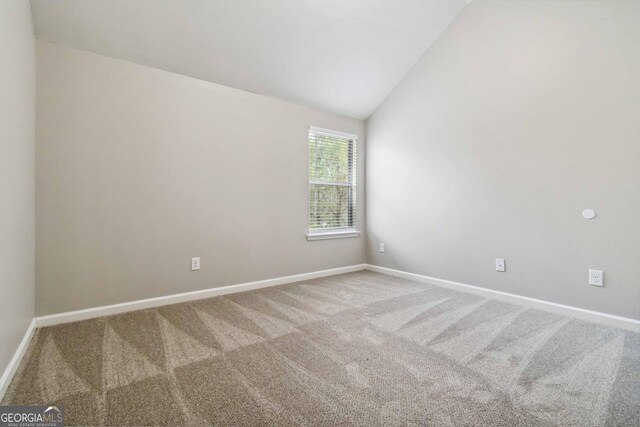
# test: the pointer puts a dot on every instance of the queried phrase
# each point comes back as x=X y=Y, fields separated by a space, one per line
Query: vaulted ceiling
x=343 y=56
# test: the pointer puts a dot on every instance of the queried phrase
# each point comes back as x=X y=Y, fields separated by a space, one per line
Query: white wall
x=139 y=169
x=520 y=116
x=17 y=159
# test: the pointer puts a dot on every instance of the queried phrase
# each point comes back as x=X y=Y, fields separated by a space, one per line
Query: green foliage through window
x=332 y=180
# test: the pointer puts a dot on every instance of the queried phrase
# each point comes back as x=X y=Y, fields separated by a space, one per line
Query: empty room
x=305 y=212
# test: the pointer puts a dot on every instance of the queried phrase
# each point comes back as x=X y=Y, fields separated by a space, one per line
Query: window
x=332 y=184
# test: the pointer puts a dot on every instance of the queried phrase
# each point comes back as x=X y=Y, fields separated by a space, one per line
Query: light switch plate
x=195 y=264
x=500 y=265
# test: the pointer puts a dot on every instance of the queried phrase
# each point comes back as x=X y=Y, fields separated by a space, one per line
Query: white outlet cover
x=195 y=264
x=596 y=278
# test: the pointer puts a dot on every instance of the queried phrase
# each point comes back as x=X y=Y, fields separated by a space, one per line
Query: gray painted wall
x=519 y=117
x=17 y=160
x=139 y=169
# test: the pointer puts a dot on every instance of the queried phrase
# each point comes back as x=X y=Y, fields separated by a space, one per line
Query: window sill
x=333 y=235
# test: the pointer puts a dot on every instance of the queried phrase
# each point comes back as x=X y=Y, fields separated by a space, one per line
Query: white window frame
x=341 y=232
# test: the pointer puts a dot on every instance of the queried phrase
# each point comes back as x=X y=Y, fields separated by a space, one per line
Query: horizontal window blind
x=332 y=181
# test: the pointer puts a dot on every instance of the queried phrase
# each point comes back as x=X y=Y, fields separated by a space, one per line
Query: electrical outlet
x=381 y=247
x=596 y=278
x=195 y=264
x=500 y=266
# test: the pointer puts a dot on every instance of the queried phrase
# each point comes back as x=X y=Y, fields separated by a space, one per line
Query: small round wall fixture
x=588 y=214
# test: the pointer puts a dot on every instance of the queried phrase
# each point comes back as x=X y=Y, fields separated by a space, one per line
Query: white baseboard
x=107 y=310
x=566 y=310
x=12 y=367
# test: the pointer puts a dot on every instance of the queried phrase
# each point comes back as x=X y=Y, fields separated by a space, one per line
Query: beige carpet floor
x=356 y=349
